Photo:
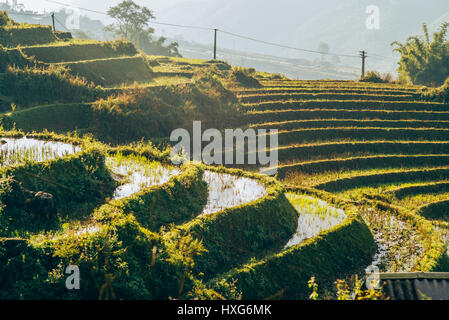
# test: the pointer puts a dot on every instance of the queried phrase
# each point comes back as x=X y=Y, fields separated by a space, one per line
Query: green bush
x=30 y=87
x=117 y=262
x=245 y=77
x=156 y=112
x=14 y=58
x=5 y=20
x=78 y=182
x=424 y=60
x=373 y=76
x=438 y=94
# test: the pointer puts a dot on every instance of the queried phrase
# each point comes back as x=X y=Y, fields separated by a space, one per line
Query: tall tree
x=132 y=23
x=424 y=61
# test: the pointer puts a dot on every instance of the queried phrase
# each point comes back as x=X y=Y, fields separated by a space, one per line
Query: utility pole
x=363 y=54
x=215 y=44
x=53 y=20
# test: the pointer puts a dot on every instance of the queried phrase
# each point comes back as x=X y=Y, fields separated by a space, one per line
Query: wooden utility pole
x=53 y=20
x=215 y=44
x=363 y=54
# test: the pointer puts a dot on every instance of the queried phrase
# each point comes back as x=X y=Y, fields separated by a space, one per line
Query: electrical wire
x=219 y=30
x=284 y=46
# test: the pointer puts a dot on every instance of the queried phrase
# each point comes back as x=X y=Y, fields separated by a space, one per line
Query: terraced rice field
x=363 y=182
x=376 y=145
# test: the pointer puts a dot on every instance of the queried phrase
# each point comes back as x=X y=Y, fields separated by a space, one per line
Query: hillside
x=87 y=178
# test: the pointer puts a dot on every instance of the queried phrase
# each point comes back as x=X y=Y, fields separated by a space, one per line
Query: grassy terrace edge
x=235 y=235
x=347 y=249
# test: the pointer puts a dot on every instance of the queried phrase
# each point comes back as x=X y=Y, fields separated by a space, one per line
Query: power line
x=219 y=30
x=79 y=8
x=286 y=47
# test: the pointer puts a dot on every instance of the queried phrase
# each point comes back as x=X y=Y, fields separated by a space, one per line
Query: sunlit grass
x=315 y=215
x=17 y=151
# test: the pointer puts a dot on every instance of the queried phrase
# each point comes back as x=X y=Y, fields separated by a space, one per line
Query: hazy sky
x=40 y=5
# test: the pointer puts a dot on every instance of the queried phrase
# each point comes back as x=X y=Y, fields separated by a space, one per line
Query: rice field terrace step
x=438 y=210
x=336 y=251
x=259 y=98
x=373 y=91
x=335 y=150
x=398 y=176
x=174 y=74
x=253 y=117
x=61 y=52
x=426 y=188
x=112 y=71
x=403 y=90
x=300 y=136
x=368 y=162
x=333 y=123
x=347 y=105
x=335 y=83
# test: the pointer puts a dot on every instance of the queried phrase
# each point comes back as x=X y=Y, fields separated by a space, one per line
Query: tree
x=323 y=48
x=132 y=23
x=5 y=20
x=424 y=61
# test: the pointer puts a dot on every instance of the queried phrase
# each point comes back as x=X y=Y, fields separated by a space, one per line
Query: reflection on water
x=15 y=151
x=139 y=173
x=227 y=191
x=315 y=215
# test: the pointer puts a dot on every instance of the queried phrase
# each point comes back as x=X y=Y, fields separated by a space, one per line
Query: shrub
x=245 y=77
x=424 y=61
x=86 y=179
x=373 y=76
x=156 y=112
x=5 y=20
x=438 y=94
x=33 y=86
x=14 y=58
x=119 y=261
